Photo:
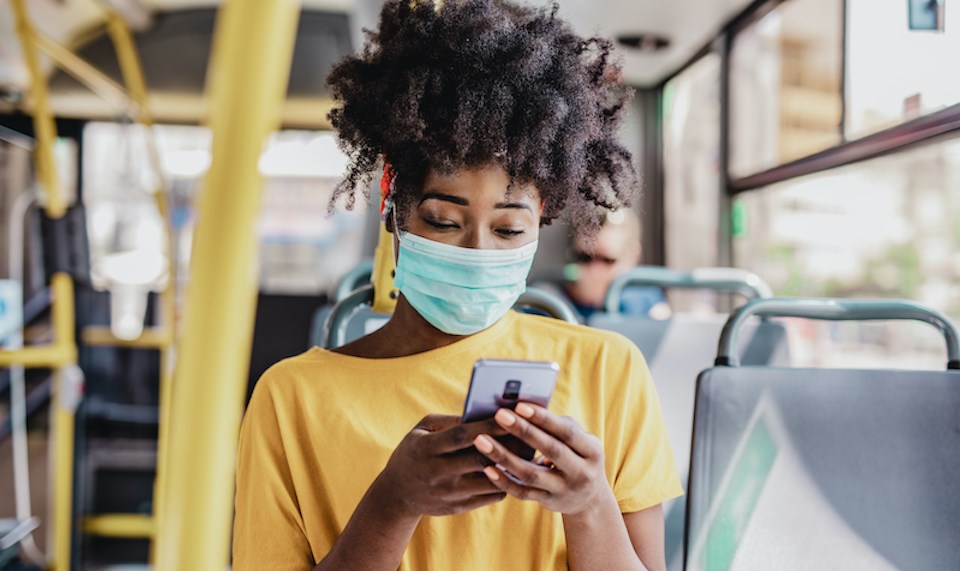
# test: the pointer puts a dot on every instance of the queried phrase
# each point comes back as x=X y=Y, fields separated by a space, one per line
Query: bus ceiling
x=173 y=39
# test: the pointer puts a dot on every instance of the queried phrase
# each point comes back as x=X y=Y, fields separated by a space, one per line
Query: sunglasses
x=587 y=258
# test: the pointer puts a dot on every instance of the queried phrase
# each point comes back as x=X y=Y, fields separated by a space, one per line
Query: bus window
x=785 y=77
x=691 y=154
x=883 y=228
x=895 y=73
x=302 y=250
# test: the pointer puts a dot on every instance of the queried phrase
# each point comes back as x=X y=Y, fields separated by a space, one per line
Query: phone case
x=497 y=384
x=489 y=390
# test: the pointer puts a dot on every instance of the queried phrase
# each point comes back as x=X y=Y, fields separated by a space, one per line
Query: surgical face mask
x=461 y=291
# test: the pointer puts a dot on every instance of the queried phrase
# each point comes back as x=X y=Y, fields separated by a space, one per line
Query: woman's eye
x=440 y=225
x=509 y=232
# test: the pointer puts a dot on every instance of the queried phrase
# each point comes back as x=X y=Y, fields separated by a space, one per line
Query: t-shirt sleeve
x=268 y=530
x=638 y=451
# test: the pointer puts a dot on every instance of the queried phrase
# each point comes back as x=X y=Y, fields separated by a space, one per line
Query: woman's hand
x=436 y=471
x=569 y=476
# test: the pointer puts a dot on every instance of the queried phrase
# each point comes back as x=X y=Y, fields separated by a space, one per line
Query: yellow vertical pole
x=136 y=85
x=253 y=47
x=62 y=289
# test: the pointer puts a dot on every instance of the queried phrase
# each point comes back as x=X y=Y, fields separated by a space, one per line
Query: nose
x=477 y=239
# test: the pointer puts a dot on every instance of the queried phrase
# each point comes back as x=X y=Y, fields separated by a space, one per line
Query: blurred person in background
x=596 y=260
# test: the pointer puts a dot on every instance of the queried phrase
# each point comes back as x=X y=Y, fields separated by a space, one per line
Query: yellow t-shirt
x=321 y=426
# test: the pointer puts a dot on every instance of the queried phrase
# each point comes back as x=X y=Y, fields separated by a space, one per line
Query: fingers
x=529 y=474
x=563 y=428
x=437 y=422
x=452 y=494
x=467 y=461
x=477 y=484
x=504 y=483
x=480 y=501
x=459 y=436
x=547 y=444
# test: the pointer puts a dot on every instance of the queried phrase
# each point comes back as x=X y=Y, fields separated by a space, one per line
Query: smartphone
x=497 y=384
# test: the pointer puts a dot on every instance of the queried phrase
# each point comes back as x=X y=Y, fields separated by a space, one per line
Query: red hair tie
x=386 y=190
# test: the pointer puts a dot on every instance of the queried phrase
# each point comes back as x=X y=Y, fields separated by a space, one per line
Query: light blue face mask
x=461 y=291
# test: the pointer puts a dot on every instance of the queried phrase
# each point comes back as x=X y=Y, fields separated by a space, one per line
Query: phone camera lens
x=512 y=390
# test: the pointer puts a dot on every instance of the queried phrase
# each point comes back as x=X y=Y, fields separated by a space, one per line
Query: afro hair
x=481 y=82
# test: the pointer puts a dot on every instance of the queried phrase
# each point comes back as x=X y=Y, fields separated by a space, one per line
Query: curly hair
x=481 y=82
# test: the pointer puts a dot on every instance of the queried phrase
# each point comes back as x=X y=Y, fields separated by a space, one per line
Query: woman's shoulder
x=286 y=374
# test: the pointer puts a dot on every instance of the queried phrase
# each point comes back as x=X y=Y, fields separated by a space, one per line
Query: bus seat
x=362 y=322
x=825 y=468
x=678 y=348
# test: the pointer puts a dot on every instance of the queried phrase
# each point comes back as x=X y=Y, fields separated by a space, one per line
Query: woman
x=494 y=119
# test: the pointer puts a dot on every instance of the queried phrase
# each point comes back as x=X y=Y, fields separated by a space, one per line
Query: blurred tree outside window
x=884 y=228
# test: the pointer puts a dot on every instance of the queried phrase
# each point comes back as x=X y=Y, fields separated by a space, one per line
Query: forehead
x=479 y=184
x=610 y=239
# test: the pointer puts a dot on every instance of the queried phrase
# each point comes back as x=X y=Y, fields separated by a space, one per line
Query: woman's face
x=471 y=209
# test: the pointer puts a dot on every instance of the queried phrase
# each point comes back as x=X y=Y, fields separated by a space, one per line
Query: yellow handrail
x=131 y=526
x=253 y=48
x=84 y=72
x=62 y=352
x=384 y=298
x=136 y=84
x=43 y=124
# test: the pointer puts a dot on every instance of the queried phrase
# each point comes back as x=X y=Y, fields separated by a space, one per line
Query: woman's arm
x=432 y=472
x=598 y=538
x=646 y=529
x=575 y=485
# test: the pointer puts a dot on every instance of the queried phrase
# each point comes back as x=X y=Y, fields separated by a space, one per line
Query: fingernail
x=524 y=410
x=483 y=444
x=505 y=417
x=491 y=473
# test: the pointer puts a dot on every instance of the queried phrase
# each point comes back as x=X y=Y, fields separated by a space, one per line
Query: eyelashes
x=440 y=225
x=446 y=226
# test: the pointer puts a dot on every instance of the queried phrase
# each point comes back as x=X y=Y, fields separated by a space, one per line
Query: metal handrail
x=338 y=319
x=733 y=280
x=836 y=310
x=545 y=301
x=354 y=279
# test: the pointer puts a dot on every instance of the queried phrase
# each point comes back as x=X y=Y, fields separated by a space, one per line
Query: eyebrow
x=519 y=205
x=445 y=198
x=464 y=202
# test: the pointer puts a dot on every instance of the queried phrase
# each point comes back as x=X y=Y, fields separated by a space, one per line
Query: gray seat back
x=677 y=349
x=825 y=469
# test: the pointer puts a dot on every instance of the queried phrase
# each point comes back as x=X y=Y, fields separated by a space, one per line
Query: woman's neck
x=407 y=333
